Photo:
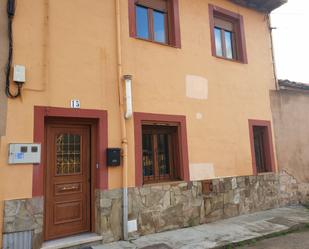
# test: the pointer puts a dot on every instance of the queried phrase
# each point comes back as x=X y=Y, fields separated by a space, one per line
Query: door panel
x=259 y=149
x=68 y=191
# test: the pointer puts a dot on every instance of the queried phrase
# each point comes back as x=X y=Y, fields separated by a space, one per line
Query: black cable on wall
x=11 y=13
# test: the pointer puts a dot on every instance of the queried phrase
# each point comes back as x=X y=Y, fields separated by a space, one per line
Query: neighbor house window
x=161 y=152
x=227 y=34
x=155 y=20
x=261 y=146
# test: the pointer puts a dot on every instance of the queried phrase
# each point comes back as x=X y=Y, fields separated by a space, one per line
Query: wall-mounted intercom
x=24 y=153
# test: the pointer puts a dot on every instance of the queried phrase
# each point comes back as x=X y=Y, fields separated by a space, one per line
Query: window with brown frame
x=159 y=159
x=155 y=20
x=227 y=34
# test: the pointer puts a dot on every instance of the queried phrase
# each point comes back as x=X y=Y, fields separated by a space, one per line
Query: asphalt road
x=291 y=241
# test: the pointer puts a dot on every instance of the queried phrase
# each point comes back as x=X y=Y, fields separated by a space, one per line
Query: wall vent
x=20 y=240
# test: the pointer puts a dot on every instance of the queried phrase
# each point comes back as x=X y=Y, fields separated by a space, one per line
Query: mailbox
x=113 y=156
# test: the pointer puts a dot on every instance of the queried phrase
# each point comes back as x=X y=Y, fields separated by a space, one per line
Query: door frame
x=269 y=147
x=97 y=119
x=92 y=156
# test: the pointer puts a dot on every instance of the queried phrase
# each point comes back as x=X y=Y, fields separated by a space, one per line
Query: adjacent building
x=154 y=113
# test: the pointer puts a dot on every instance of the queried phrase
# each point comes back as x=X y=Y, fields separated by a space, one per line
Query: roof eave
x=265 y=6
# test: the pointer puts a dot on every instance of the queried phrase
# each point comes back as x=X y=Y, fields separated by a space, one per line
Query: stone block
x=208 y=206
x=145 y=190
x=231 y=210
x=215 y=216
x=116 y=219
x=227 y=185
x=234 y=183
x=229 y=197
x=105 y=203
x=23 y=215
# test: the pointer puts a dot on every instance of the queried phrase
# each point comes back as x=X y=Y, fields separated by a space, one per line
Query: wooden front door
x=67 y=188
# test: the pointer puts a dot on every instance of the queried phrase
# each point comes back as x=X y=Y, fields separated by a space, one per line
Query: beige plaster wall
x=291 y=119
x=69 y=50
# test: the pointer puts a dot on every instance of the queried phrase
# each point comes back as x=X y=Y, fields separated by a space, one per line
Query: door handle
x=69 y=188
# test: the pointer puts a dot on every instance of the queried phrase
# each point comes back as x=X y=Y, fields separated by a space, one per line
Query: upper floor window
x=155 y=20
x=152 y=22
x=227 y=34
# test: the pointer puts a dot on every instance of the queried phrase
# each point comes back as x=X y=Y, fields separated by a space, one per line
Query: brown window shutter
x=157 y=5
x=226 y=25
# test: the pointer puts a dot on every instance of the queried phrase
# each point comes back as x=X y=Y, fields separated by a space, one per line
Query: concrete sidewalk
x=221 y=233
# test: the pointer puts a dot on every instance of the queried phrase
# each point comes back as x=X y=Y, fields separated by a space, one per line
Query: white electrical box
x=19 y=74
x=24 y=153
x=132 y=226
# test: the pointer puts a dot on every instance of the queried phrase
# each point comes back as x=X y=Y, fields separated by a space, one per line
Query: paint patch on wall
x=201 y=171
x=196 y=87
x=199 y=116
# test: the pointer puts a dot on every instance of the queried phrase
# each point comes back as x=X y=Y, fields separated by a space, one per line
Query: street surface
x=291 y=241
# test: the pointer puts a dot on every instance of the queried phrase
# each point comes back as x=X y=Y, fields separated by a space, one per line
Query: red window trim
x=100 y=116
x=269 y=142
x=139 y=120
x=238 y=21
x=174 y=37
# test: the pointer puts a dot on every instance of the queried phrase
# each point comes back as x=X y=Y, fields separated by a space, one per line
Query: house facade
x=153 y=113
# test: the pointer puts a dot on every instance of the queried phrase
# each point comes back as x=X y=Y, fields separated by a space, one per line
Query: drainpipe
x=124 y=141
x=272 y=50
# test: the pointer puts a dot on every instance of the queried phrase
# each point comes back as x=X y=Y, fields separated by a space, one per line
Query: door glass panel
x=218 y=42
x=68 y=150
x=142 y=30
x=228 y=44
x=163 y=154
x=147 y=155
x=159 y=26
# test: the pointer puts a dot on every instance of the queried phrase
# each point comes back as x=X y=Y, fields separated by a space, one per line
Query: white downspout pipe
x=128 y=96
x=273 y=50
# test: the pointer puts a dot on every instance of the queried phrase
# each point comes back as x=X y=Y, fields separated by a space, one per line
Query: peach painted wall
x=69 y=50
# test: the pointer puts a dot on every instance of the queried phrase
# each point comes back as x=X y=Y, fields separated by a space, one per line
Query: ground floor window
x=261 y=146
x=159 y=153
x=161 y=150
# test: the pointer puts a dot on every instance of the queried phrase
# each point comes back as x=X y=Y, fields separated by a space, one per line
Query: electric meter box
x=24 y=153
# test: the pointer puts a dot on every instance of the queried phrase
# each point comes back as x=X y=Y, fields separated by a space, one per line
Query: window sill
x=265 y=173
x=230 y=60
x=155 y=42
x=153 y=184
